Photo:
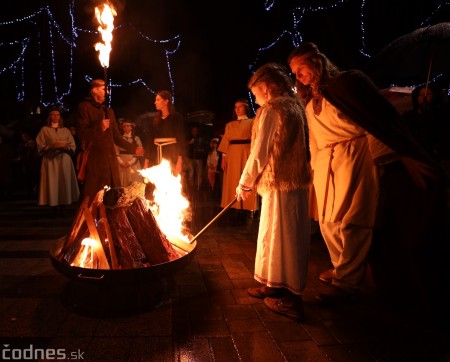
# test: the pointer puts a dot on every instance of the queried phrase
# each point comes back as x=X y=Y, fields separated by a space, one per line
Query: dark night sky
x=211 y=68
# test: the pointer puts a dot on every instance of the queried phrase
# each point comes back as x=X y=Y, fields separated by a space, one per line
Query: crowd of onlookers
x=21 y=161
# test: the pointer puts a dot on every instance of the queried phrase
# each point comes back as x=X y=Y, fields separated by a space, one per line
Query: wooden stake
x=79 y=220
x=112 y=250
x=102 y=260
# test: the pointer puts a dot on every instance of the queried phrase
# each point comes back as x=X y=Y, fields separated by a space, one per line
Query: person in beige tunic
x=353 y=130
x=278 y=169
x=235 y=149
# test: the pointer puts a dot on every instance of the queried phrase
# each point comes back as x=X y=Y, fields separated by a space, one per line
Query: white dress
x=58 y=184
x=129 y=174
x=282 y=250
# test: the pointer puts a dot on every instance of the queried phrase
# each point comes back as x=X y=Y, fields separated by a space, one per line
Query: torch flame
x=105 y=16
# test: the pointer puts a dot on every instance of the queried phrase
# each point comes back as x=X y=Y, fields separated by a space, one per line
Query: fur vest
x=288 y=167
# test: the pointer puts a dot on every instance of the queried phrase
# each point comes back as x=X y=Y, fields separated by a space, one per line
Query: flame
x=169 y=206
x=86 y=255
x=105 y=16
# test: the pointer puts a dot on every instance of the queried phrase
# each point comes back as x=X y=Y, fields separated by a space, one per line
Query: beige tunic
x=344 y=175
x=237 y=155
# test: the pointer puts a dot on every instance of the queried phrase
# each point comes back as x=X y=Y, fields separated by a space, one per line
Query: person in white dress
x=278 y=169
x=129 y=165
x=58 y=182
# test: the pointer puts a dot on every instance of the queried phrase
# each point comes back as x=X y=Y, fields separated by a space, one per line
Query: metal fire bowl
x=119 y=276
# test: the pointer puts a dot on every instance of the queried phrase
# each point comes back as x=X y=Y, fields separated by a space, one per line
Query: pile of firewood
x=119 y=221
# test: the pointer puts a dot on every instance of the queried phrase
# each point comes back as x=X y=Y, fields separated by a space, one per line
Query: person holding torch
x=97 y=127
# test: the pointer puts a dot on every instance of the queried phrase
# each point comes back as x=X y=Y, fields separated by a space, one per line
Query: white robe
x=129 y=174
x=282 y=250
x=58 y=184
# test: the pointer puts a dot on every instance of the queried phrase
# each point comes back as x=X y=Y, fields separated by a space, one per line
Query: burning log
x=155 y=245
x=131 y=253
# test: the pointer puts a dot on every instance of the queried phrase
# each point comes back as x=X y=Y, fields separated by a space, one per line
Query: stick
x=183 y=245
x=105 y=75
x=214 y=219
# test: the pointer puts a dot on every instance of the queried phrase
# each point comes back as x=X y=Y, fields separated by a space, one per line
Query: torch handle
x=105 y=111
x=214 y=219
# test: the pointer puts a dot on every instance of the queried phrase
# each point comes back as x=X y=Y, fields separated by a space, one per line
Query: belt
x=332 y=145
x=239 y=142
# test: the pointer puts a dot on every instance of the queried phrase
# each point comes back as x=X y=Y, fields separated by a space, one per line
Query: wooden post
x=79 y=220
x=102 y=260
x=112 y=250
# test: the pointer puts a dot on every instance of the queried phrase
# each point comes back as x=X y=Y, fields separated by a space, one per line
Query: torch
x=105 y=14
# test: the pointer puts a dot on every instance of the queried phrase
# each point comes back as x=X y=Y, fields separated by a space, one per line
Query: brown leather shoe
x=291 y=307
x=263 y=292
x=327 y=276
x=334 y=294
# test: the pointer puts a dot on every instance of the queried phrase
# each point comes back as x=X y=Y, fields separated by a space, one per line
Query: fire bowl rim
x=119 y=276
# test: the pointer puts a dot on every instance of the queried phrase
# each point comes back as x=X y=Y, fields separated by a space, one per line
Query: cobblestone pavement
x=200 y=312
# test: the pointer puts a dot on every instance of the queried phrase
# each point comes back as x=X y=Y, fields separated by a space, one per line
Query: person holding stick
x=97 y=127
x=278 y=169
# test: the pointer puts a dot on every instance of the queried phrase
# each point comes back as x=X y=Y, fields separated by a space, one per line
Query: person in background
x=97 y=128
x=235 y=149
x=212 y=162
x=28 y=164
x=167 y=136
x=58 y=185
x=429 y=122
x=196 y=153
x=355 y=133
x=278 y=169
x=129 y=165
x=6 y=168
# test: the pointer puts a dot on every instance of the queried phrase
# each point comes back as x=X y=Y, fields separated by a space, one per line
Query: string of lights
x=56 y=38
